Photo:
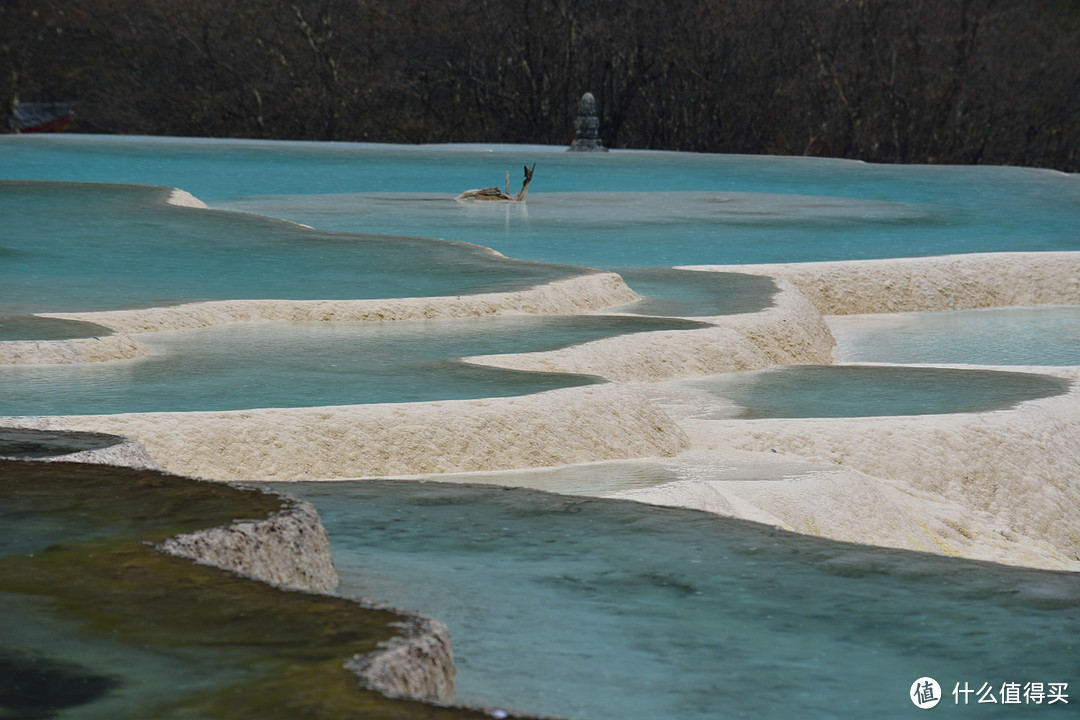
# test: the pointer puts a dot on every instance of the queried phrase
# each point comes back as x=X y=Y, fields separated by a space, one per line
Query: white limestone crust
x=576 y=295
x=947 y=282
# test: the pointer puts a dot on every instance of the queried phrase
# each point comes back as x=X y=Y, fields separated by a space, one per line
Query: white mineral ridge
x=182 y=198
x=567 y=426
x=790 y=332
x=1001 y=486
x=78 y=350
x=947 y=282
x=575 y=295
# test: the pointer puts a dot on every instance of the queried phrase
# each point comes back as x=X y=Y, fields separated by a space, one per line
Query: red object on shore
x=60 y=124
x=41 y=117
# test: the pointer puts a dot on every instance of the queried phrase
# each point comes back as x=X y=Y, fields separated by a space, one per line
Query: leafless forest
x=957 y=81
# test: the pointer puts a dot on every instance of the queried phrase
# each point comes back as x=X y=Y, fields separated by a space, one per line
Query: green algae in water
x=836 y=391
x=161 y=636
x=35 y=687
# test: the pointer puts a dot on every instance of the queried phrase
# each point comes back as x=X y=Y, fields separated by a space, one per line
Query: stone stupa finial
x=587 y=127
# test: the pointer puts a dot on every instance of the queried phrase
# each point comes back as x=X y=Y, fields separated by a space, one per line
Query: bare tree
x=885 y=80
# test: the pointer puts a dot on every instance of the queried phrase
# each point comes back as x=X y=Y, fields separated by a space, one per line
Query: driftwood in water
x=494 y=193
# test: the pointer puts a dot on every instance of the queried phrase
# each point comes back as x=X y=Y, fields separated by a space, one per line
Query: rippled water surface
x=602 y=609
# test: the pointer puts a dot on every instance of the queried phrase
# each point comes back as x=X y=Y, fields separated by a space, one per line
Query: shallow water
x=613 y=610
x=92 y=247
x=625 y=209
x=987 y=336
x=825 y=391
x=686 y=293
x=569 y=606
x=272 y=364
x=667 y=227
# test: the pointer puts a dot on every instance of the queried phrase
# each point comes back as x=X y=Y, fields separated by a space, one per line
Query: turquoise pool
x=589 y=608
x=250 y=365
x=1048 y=335
x=80 y=246
x=805 y=391
x=569 y=606
x=617 y=209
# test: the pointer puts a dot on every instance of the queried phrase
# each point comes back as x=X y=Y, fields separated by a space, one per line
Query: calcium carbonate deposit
x=819 y=347
x=999 y=484
x=993 y=485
